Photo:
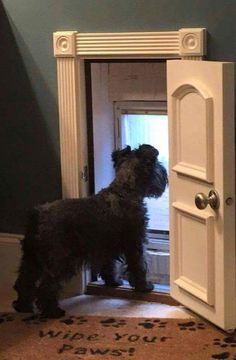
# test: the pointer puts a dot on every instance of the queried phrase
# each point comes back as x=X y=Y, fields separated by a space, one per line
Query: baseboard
x=8 y=238
x=10 y=254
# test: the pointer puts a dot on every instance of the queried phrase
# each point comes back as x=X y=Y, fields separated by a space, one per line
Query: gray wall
x=29 y=143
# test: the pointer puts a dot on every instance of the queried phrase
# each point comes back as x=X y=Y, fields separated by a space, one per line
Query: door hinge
x=84 y=173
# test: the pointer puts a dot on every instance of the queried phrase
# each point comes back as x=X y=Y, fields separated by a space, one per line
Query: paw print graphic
x=223 y=355
x=113 y=323
x=34 y=319
x=192 y=326
x=5 y=318
x=77 y=320
x=149 y=323
x=228 y=343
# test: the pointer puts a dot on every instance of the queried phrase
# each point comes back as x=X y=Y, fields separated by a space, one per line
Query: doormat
x=95 y=337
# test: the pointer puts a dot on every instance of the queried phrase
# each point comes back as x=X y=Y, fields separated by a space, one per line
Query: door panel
x=201 y=132
x=195 y=258
x=194 y=154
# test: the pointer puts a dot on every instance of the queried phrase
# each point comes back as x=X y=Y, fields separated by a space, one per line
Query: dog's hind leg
x=137 y=268
x=25 y=285
x=47 y=296
x=30 y=270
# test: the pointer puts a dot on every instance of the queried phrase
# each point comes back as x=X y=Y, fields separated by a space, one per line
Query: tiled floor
x=107 y=306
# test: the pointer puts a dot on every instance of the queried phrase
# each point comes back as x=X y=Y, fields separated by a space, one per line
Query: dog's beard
x=158 y=183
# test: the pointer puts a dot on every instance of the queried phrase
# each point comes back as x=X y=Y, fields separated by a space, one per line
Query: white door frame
x=71 y=49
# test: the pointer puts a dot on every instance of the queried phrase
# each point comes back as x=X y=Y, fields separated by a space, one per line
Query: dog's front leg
x=110 y=273
x=137 y=268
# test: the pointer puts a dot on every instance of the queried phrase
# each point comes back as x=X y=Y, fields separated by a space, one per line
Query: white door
x=202 y=241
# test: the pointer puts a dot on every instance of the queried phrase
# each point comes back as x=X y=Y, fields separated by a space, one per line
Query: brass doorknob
x=202 y=200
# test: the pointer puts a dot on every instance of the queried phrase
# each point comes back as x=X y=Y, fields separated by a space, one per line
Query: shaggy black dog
x=64 y=235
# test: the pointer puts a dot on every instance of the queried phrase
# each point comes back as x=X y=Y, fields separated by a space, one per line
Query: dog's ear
x=119 y=156
x=147 y=151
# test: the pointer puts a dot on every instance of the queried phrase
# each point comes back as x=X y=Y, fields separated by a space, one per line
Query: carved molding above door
x=184 y=43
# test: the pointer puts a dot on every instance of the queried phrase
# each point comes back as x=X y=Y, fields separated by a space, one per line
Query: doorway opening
x=127 y=105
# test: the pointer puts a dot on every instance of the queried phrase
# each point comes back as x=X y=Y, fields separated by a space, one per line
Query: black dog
x=64 y=235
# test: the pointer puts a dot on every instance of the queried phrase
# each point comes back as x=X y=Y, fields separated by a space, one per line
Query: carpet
x=94 y=337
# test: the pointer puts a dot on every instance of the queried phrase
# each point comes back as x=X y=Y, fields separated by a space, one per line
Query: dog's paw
x=146 y=287
x=54 y=313
x=22 y=307
x=114 y=283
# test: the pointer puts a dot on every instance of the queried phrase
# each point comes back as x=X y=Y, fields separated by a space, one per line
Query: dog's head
x=140 y=170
